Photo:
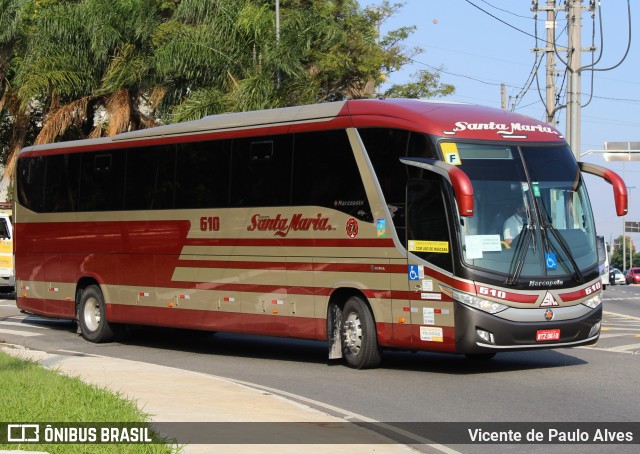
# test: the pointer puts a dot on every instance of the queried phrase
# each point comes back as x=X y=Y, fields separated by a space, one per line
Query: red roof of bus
x=459 y=121
x=454 y=120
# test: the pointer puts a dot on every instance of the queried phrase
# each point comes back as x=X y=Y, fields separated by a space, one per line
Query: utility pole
x=574 y=87
x=549 y=49
x=551 y=66
x=503 y=96
x=573 y=63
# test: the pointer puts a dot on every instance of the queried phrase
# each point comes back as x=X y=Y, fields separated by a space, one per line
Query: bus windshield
x=532 y=214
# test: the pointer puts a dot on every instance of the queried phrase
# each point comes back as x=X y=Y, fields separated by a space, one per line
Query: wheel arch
x=83 y=283
x=337 y=300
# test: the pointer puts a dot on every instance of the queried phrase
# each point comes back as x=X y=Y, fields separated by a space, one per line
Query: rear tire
x=360 y=347
x=92 y=316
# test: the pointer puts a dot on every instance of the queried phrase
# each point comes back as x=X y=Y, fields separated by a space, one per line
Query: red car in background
x=633 y=276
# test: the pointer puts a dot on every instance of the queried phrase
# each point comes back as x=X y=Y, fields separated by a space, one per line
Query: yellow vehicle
x=7 y=276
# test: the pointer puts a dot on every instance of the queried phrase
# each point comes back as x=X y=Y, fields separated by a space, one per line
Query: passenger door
x=430 y=263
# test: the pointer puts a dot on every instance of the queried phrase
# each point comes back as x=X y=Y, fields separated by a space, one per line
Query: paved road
x=598 y=383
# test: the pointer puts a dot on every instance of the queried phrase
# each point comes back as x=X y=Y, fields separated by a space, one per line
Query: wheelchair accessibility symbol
x=414 y=273
x=551 y=261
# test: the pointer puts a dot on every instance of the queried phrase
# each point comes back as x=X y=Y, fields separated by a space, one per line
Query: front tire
x=92 y=316
x=360 y=347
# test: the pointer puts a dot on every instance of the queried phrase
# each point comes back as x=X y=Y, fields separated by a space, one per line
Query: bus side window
x=326 y=174
x=261 y=171
x=149 y=179
x=61 y=183
x=30 y=181
x=385 y=148
x=102 y=181
x=202 y=174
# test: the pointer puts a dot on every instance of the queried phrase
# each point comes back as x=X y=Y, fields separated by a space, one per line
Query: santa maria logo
x=281 y=226
x=505 y=130
x=549 y=300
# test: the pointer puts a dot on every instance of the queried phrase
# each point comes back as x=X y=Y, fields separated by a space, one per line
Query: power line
x=459 y=75
x=502 y=21
x=618 y=99
x=504 y=10
x=530 y=79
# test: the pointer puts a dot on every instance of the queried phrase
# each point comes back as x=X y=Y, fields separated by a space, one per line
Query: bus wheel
x=92 y=316
x=359 y=341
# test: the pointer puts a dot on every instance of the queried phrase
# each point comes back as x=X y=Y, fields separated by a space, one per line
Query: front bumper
x=509 y=335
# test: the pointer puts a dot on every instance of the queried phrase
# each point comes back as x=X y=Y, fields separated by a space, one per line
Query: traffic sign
x=632 y=227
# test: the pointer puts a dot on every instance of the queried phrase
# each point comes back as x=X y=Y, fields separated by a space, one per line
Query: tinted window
x=61 y=183
x=102 y=181
x=30 y=176
x=385 y=148
x=326 y=174
x=261 y=171
x=202 y=174
x=150 y=176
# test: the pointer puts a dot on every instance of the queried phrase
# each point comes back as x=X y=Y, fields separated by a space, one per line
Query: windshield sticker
x=431 y=334
x=551 y=261
x=431 y=296
x=381 y=228
x=450 y=153
x=504 y=130
x=427 y=285
x=477 y=244
x=536 y=188
x=428 y=316
x=439 y=247
x=414 y=272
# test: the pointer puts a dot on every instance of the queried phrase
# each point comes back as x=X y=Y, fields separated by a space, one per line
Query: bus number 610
x=492 y=292
x=210 y=224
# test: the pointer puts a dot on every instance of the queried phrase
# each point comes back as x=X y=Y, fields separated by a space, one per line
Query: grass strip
x=30 y=393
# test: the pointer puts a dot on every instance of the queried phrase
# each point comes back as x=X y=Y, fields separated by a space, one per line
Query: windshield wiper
x=547 y=226
x=522 y=246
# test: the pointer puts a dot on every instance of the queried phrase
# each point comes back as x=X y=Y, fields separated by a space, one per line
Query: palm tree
x=91 y=68
x=87 y=66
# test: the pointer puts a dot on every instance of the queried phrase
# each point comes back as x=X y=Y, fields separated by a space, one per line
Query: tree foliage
x=90 y=68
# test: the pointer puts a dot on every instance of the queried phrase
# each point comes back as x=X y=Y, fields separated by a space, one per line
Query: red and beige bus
x=370 y=224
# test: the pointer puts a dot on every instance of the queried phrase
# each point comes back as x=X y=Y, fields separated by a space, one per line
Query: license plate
x=545 y=335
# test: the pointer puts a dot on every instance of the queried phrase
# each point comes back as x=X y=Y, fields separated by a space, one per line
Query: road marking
x=621 y=329
x=19 y=333
x=605 y=349
x=23 y=325
x=624 y=348
x=622 y=315
x=608 y=336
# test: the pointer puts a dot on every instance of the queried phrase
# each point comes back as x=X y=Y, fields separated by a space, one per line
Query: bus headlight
x=594 y=301
x=473 y=301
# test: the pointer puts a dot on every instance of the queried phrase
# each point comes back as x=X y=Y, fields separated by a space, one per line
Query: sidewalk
x=175 y=395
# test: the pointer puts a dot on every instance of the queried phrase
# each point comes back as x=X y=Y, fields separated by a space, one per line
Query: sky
x=481 y=47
